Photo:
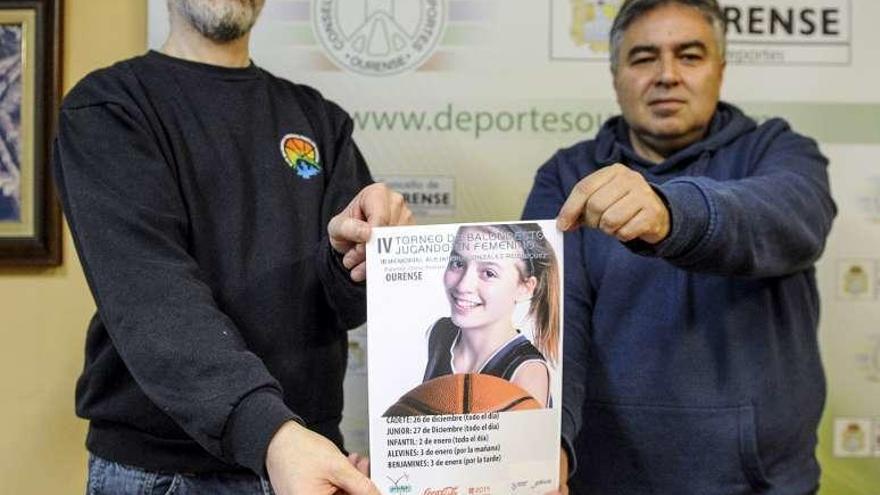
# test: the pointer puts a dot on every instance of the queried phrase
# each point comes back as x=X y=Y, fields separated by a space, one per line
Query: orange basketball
x=463 y=394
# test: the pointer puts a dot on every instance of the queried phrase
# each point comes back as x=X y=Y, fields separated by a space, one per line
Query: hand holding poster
x=465 y=344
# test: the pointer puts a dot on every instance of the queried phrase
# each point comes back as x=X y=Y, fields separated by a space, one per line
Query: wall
x=45 y=311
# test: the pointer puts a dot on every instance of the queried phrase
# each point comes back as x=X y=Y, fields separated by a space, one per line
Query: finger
x=404 y=216
x=573 y=208
x=350 y=258
x=375 y=203
x=563 y=471
x=601 y=200
x=363 y=465
x=648 y=225
x=359 y=272
x=397 y=208
x=345 y=231
x=620 y=213
x=637 y=227
x=354 y=256
x=353 y=482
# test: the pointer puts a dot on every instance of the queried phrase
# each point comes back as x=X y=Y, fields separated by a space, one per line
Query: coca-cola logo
x=449 y=490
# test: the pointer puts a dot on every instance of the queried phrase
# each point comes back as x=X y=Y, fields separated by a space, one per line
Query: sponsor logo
x=869 y=199
x=868 y=362
x=581 y=28
x=449 y=490
x=788 y=32
x=399 y=485
x=379 y=37
x=852 y=437
x=425 y=195
x=768 y=32
x=856 y=279
x=301 y=154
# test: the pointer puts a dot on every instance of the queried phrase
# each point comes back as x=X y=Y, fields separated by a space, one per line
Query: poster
x=464 y=372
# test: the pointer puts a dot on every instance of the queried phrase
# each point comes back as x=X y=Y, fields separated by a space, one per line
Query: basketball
x=463 y=394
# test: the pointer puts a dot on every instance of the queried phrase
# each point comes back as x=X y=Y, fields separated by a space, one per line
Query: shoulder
x=778 y=129
x=529 y=351
x=764 y=134
x=442 y=329
x=529 y=362
x=115 y=84
x=534 y=377
x=536 y=369
x=775 y=137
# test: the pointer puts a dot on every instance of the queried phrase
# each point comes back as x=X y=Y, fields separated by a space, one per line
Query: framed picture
x=30 y=219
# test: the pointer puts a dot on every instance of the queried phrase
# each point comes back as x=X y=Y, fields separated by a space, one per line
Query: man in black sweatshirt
x=220 y=215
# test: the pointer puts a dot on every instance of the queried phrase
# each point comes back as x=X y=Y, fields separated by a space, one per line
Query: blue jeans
x=111 y=478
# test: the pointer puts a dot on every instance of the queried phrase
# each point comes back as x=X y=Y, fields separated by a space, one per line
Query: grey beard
x=221 y=21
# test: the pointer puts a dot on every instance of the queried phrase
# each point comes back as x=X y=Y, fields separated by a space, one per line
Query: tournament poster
x=465 y=346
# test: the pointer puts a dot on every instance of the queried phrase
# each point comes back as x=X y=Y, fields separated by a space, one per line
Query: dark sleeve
x=130 y=228
x=546 y=198
x=772 y=223
x=348 y=176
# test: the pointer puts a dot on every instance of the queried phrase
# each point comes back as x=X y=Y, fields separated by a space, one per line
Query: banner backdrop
x=457 y=102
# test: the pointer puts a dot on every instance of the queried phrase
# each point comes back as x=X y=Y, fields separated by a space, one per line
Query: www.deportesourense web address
x=480 y=122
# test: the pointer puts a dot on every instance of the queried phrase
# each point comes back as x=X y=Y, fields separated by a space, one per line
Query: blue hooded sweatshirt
x=692 y=366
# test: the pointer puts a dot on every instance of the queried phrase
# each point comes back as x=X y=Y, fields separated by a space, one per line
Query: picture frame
x=30 y=78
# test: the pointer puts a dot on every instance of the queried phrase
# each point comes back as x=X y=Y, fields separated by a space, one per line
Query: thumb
x=352 y=482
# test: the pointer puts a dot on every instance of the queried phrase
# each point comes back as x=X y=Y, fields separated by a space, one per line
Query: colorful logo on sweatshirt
x=301 y=153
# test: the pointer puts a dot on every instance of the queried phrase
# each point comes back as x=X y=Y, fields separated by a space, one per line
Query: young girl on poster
x=491 y=269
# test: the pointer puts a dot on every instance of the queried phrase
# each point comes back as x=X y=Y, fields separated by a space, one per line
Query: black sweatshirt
x=199 y=215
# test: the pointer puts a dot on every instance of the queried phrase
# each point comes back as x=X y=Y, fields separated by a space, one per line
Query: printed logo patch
x=301 y=153
x=380 y=37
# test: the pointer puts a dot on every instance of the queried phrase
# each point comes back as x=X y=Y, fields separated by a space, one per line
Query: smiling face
x=483 y=286
x=668 y=80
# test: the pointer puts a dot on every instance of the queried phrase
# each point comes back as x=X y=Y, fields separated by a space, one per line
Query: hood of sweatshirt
x=613 y=144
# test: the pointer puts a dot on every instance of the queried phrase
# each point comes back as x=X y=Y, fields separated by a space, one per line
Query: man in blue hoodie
x=691 y=357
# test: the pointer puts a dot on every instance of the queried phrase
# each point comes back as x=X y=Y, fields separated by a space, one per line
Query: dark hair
x=538 y=260
x=634 y=9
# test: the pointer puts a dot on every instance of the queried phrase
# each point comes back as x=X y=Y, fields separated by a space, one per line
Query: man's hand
x=563 y=474
x=375 y=205
x=300 y=461
x=620 y=202
x=362 y=463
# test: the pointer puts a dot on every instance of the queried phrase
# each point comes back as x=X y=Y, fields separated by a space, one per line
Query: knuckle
x=609 y=226
x=609 y=223
x=593 y=205
x=582 y=187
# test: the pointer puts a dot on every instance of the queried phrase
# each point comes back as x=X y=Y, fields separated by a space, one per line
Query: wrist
x=280 y=444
